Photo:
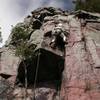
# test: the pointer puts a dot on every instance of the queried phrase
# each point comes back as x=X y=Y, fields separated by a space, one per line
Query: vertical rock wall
x=81 y=69
x=80 y=82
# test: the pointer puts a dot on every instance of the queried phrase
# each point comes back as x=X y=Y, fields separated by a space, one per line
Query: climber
x=58 y=31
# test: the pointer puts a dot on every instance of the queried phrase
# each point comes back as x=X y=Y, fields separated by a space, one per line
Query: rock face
x=9 y=60
x=70 y=71
x=82 y=61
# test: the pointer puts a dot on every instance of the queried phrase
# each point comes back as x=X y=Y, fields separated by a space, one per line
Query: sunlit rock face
x=82 y=59
x=70 y=71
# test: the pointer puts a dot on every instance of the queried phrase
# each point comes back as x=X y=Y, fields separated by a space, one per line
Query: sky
x=14 y=11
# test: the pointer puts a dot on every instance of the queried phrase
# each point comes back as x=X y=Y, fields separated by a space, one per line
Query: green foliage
x=88 y=5
x=0 y=36
x=20 y=37
x=20 y=33
x=25 y=50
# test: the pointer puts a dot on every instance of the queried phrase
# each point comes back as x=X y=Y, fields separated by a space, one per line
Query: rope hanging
x=36 y=74
x=26 y=81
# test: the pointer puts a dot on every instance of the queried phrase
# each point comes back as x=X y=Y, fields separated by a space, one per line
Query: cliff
x=70 y=71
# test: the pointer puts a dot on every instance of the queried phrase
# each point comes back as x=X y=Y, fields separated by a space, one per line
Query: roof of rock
x=87 y=15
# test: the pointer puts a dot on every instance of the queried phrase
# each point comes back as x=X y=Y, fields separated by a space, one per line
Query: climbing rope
x=26 y=81
x=35 y=80
x=36 y=74
x=26 y=76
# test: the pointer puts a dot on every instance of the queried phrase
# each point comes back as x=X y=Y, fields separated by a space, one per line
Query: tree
x=0 y=36
x=88 y=5
x=20 y=38
x=23 y=49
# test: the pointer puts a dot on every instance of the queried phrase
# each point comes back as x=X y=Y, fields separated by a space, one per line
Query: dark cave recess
x=49 y=70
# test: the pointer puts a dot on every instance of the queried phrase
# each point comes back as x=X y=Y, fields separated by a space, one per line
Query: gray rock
x=8 y=62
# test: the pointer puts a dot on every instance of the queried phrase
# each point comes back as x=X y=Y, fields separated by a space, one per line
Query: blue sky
x=14 y=11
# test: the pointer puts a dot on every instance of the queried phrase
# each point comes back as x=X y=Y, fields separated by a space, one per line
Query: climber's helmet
x=58 y=28
x=59 y=25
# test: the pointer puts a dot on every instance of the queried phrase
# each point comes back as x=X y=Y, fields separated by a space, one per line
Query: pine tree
x=0 y=36
x=88 y=5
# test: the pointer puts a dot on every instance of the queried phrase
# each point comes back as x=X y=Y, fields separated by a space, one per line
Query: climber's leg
x=53 y=42
x=63 y=37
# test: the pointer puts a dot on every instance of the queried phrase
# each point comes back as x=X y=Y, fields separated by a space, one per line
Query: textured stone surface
x=41 y=93
x=81 y=74
x=8 y=62
x=10 y=66
x=80 y=82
